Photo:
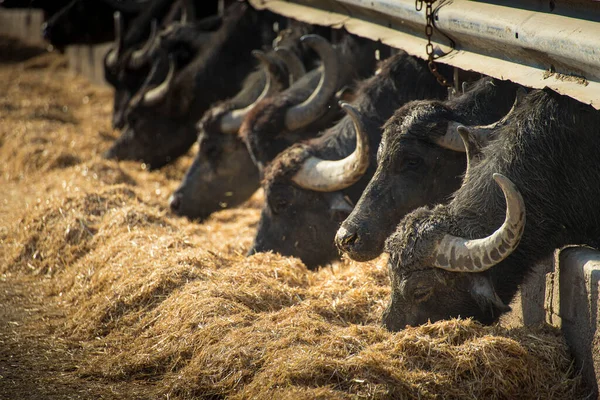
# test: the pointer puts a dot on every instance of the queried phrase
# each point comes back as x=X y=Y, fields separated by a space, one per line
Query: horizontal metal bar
x=525 y=42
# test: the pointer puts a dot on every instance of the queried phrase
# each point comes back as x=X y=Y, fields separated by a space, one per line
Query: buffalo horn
x=139 y=96
x=481 y=133
x=113 y=53
x=328 y=175
x=471 y=146
x=292 y=62
x=306 y=112
x=140 y=57
x=458 y=254
x=157 y=94
x=231 y=121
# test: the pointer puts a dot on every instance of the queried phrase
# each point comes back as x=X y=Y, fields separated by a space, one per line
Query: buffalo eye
x=411 y=163
x=210 y=149
x=278 y=205
x=279 y=199
x=422 y=294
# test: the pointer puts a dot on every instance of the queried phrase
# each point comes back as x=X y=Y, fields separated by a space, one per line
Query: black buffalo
x=128 y=62
x=223 y=173
x=91 y=21
x=161 y=125
x=417 y=165
x=310 y=106
x=311 y=187
x=468 y=257
x=80 y=22
x=69 y=22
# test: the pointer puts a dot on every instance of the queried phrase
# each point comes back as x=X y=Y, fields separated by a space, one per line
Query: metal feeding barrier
x=538 y=44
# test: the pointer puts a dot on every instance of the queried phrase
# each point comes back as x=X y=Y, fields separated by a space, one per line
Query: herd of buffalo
x=359 y=150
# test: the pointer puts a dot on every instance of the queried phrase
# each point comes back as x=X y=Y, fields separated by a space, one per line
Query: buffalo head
x=420 y=161
x=223 y=173
x=161 y=117
x=304 y=199
x=436 y=275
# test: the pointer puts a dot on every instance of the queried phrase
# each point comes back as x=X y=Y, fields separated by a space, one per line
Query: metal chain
x=429 y=26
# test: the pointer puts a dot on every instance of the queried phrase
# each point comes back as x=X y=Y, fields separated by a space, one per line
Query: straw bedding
x=175 y=308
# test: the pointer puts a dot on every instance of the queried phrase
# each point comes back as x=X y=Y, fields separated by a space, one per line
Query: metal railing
x=534 y=43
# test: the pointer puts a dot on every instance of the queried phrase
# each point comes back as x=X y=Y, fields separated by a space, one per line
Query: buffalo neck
x=545 y=151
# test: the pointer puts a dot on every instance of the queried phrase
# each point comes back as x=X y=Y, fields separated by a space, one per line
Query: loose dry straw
x=156 y=297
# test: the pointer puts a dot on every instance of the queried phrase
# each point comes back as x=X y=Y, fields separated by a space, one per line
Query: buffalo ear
x=338 y=203
x=484 y=294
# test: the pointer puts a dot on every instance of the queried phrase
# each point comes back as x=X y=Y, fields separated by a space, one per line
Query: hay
x=175 y=309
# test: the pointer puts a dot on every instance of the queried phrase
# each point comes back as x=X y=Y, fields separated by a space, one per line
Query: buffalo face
x=411 y=172
x=305 y=200
x=223 y=173
x=434 y=295
x=439 y=271
x=157 y=130
x=221 y=176
x=152 y=139
x=300 y=223
x=421 y=292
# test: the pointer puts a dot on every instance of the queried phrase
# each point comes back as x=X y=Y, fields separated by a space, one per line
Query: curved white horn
x=306 y=112
x=328 y=175
x=481 y=133
x=113 y=53
x=140 y=57
x=458 y=254
x=231 y=121
x=157 y=94
x=292 y=62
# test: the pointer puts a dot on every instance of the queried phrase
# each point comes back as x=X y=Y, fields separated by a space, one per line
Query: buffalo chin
x=155 y=151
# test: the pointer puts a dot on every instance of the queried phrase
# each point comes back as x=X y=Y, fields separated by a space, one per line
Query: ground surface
x=106 y=295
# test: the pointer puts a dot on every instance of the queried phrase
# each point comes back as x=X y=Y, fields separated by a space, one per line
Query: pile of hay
x=154 y=298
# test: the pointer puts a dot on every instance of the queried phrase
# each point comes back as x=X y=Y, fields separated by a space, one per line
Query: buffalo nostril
x=345 y=238
x=175 y=202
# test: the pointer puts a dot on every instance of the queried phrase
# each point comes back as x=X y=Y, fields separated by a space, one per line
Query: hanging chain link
x=429 y=26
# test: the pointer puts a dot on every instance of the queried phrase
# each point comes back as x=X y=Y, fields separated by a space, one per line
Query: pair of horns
x=482 y=133
x=333 y=175
x=314 y=106
x=151 y=97
x=141 y=56
x=114 y=52
x=232 y=120
x=457 y=254
x=293 y=64
x=304 y=113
